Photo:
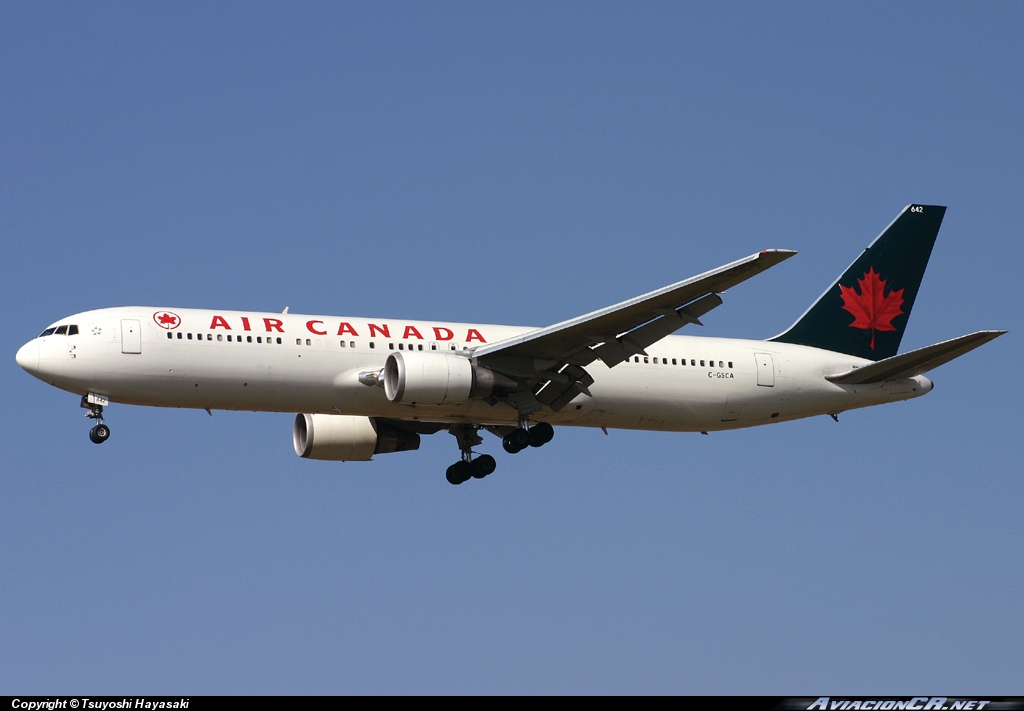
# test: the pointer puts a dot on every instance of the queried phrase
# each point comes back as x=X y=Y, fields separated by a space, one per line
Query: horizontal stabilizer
x=916 y=362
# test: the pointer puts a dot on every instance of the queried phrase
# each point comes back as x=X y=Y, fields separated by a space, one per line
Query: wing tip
x=988 y=334
x=778 y=254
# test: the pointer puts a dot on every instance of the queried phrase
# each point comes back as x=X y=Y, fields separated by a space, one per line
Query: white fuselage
x=233 y=360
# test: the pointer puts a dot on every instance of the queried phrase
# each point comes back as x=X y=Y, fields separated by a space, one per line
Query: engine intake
x=348 y=438
x=439 y=379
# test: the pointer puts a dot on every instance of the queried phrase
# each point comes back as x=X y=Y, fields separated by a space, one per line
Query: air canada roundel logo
x=167 y=319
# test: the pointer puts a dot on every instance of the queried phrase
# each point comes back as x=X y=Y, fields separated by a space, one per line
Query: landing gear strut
x=94 y=404
x=469 y=467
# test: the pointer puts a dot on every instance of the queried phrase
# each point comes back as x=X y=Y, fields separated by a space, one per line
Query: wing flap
x=916 y=362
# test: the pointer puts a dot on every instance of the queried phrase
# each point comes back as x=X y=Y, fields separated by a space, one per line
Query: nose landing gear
x=94 y=404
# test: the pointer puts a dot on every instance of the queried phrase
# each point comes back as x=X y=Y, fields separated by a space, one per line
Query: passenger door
x=131 y=336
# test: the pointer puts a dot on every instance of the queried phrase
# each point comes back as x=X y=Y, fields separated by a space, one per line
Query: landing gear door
x=765 y=369
x=131 y=336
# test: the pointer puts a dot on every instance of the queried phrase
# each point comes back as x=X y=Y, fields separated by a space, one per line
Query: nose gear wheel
x=100 y=432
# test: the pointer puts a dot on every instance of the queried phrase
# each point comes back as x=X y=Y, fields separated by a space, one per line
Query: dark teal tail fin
x=865 y=312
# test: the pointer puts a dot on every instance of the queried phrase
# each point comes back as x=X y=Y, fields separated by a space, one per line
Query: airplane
x=365 y=386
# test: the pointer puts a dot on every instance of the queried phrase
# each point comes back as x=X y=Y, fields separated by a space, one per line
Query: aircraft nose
x=28 y=356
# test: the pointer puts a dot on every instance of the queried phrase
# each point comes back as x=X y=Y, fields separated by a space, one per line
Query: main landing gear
x=469 y=467
x=520 y=438
x=465 y=469
x=94 y=404
x=479 y=466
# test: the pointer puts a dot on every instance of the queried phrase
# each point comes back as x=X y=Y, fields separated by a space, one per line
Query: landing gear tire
x=459 y=472
x=541 y=433
x=483 y=465
x=516 y=441
x=99 y=434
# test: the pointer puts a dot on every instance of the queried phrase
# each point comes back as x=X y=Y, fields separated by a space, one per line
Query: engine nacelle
x=348 y=438
x=432 y=378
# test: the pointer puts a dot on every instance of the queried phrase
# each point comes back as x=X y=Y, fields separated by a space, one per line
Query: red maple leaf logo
x=871 y=306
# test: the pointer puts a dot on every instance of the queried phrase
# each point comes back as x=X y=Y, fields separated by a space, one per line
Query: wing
x=551 y=360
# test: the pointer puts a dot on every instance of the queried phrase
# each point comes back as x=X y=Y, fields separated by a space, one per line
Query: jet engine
x=431 y=378
x=348 y=438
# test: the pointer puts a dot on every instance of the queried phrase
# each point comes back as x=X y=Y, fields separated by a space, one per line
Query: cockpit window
x=64 y=330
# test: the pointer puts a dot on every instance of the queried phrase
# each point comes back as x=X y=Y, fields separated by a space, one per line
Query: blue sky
x=509 y=163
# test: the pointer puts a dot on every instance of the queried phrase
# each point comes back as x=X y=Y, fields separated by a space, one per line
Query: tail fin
x=865 y=312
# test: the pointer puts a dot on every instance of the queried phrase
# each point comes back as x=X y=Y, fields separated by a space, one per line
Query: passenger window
x=343 y=344
x=278 y=340
x=391 y=346
x=351 y=344
x=220 y=336
x=730 y=363
x=655 y=360
x=702 y=364
x=720 y=364
x=170 y=335
x=259 y=339
x=433 y=346
x=372 y=344
x=209 y=336
x=636 y=359
x=673 y=361
x=179 y=335
x=309 y=341
x=646 y=359
x=693 y=362
x=420 y=347
x=248 y=339
x=190 y=336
